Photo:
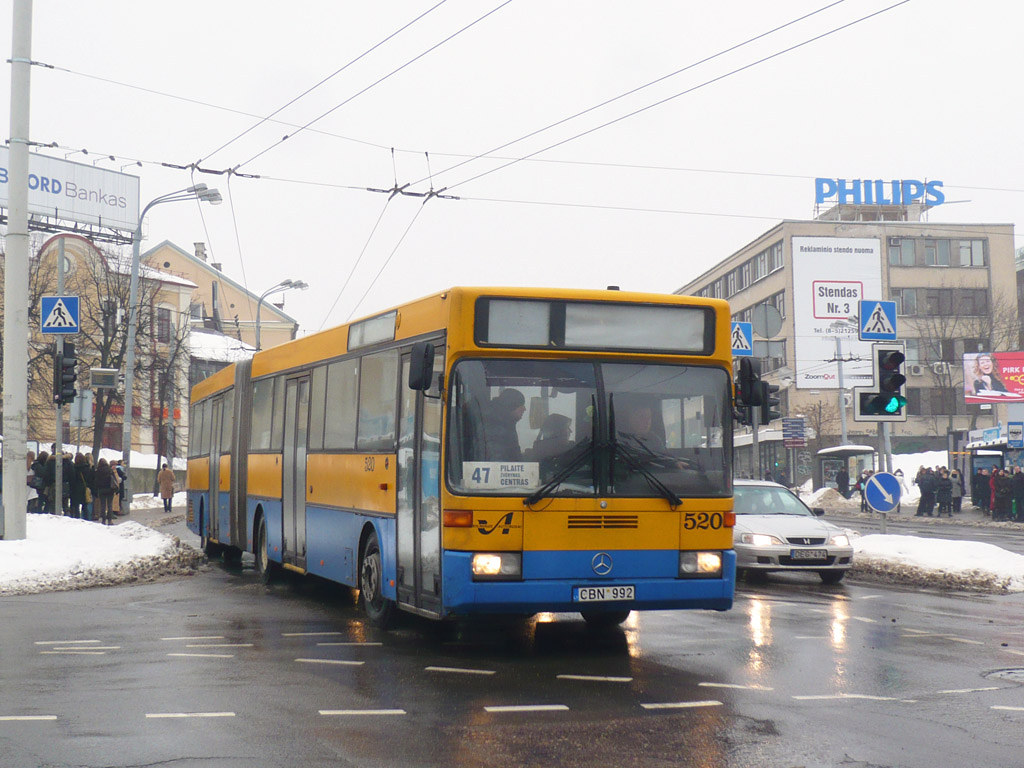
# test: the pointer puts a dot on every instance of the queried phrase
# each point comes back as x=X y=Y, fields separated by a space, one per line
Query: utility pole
x=58 y=442
x=15 y=422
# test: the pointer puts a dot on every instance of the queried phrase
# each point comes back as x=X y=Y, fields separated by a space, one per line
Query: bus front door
x=293 y=491
x=212 y=522
x=418 y=524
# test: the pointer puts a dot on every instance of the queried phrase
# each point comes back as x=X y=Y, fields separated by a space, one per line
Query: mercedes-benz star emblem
x=602 y=563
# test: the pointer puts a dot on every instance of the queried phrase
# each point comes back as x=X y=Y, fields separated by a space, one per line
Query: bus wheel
x=379 y=609
x=599 y=619
x=265 y=567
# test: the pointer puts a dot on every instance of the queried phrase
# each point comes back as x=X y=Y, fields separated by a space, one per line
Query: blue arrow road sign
x=882 y=492
x=742 y=339
x=877 y=320
x=59 y=314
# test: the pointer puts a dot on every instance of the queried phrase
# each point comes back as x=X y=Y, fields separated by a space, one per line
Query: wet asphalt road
x=218 y=670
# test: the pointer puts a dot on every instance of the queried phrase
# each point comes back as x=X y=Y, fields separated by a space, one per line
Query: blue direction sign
x=59 y=314
x=882 y=492
x=877 y=320
x=1015 y=434
x=743 y=339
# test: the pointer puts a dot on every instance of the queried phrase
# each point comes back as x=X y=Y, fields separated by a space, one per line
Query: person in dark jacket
x=944 y=494
x=501 y=439
x=103 y=491
x=1018 y=494
x=80 y=481
x=843 y=482
x=1003 y=493
x=38 y=472
x=926 y=483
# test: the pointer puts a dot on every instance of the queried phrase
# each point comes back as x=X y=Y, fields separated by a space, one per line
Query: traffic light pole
x=58 y=442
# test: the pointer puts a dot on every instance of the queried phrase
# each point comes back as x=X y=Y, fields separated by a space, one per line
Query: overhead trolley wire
x=637 y=89
x=661 y=102
x=337 y=72
x=374 y=84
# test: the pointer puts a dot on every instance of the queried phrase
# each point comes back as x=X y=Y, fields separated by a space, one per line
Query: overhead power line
x=706 y=83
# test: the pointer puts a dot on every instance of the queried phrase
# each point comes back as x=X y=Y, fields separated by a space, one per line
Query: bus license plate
x=809 y=554
x=604 y=594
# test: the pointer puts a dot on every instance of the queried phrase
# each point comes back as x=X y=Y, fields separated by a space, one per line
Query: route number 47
x=481 y=474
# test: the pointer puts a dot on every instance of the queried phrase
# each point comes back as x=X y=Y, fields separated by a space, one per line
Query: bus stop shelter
x=831 y=460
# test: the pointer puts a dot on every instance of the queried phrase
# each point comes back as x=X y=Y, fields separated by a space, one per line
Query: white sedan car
x=775 y=531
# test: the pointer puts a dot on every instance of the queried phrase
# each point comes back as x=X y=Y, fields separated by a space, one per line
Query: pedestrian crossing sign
x=878 y=320
x=742 y=339
x=59 y=314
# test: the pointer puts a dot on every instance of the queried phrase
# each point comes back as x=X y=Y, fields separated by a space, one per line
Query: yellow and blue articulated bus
x=483 y=450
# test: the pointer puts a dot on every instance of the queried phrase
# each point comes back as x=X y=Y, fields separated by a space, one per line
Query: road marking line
x=865 y=620
x=72 y=653
x=1011 y=650
x=682 y=704
x=219 y=645
x=596 y=678
x=198 y=637
x=87 y=650
x=331 y=661
x=25 y=718
x=869 y=597
x=375 y=645
x=826 y=697
x=528 y=708
x=460 y=671
x=359 y=712
x=310 y=634
x=1009 y=709
x=738 y=687
x=178 y=715
x=971 y=690
x=917 y=631
x=964 y=640
x=205 y=655
x=64 y=642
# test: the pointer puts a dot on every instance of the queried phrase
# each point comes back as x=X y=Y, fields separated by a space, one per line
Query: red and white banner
x=994 y=377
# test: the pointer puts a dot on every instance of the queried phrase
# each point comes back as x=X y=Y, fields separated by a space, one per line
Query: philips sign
x=878 y=192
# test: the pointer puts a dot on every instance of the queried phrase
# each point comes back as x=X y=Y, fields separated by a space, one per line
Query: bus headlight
x=495 y=566
x=697 y=564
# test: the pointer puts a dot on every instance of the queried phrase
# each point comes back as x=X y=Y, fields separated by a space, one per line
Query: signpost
x=742 y=339
x=882 y=493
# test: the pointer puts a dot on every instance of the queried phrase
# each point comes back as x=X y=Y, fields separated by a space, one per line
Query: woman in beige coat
x=166 y=481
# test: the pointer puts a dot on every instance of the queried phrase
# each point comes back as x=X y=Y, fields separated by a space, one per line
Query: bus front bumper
x=550 y=592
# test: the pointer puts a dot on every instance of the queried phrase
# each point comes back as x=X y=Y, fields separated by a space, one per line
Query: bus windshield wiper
x=577 y=457
x=635 y=460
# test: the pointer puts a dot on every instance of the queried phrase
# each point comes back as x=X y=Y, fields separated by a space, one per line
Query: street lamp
x=199 y=192
x=284 y=285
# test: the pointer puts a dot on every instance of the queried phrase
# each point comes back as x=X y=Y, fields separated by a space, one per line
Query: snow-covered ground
x=62 y=553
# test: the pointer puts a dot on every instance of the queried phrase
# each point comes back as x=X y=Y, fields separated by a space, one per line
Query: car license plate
x=603 y=594
x=809 y=554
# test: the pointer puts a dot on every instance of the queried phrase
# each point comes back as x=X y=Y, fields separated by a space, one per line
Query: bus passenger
x=502 y=414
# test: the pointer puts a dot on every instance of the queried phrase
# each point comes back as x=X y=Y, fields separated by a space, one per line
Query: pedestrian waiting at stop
x=103 y=490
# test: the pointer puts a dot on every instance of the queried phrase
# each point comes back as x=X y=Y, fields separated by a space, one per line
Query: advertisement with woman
x=991 y=377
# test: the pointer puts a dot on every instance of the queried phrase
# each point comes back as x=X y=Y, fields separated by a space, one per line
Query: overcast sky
x=927 y=90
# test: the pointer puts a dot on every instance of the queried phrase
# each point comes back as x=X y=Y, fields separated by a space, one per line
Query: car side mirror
x=818 y=511
x=421 y=366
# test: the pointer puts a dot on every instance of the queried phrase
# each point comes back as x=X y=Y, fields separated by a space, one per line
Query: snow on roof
x=123 y=266
x=216 y=346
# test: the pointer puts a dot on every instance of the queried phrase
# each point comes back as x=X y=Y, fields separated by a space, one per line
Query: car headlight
x=698 y=564
x=496 y=566
x=761 y=540
x=840 y=540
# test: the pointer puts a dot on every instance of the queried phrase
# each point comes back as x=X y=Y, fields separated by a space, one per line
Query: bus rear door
x=293 y=492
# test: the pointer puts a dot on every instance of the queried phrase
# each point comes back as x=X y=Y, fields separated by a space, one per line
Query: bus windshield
x=586 y=428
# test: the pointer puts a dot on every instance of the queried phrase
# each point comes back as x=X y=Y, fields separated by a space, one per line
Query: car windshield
x=767 y=500
x=560 y=428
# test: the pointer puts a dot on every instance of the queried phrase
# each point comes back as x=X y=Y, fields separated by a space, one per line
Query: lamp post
x=284 y=285
x=199 y=192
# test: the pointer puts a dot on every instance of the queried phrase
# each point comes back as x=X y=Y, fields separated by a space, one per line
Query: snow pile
x=938 y=563
x=828 y=497
x=61 y=553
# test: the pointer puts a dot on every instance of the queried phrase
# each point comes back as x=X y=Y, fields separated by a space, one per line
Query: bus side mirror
x=421 y=366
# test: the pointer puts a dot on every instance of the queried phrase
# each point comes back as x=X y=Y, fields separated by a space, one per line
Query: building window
x=730 y=284
x=163 y=325
x=936 y=253
x=778 y=300
x=913 y=350
x=901 y=252
x=745 y=275
x=776 y=260
x=760 y=265
x=906 y=301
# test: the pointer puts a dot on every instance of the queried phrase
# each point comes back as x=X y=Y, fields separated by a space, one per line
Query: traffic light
x=748 y=382
x=886 y=400
x=770 y=409
x=65 y=375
